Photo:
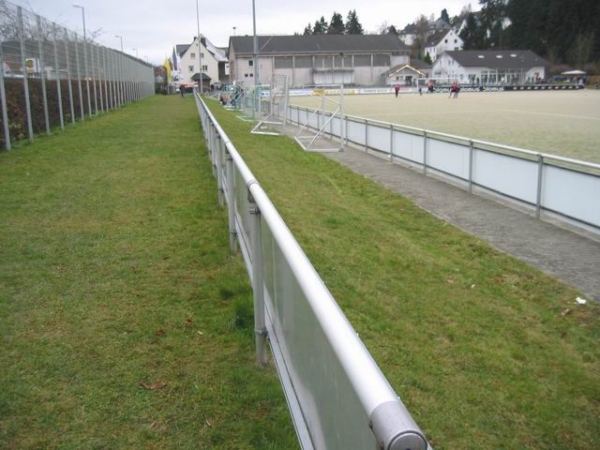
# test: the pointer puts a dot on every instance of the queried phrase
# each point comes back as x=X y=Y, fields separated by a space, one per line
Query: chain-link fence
x=51 y=76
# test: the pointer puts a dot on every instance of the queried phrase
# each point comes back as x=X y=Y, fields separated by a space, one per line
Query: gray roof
x=497 y=59
x=436 y=37
x=418 y=64
x=181 y=48
x=318 y=44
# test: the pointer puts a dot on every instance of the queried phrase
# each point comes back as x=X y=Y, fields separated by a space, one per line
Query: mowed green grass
x=563 y=123
x=126 y=324
x=124 y=321
x=485 y=351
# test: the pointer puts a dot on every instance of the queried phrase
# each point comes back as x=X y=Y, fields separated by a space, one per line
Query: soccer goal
x=323 y=120
x=251 y=102
x=231 y=97
x=271 y=106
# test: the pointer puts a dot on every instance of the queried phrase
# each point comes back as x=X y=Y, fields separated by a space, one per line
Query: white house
x=215 y=67
x=489 y=67
x=442 y=41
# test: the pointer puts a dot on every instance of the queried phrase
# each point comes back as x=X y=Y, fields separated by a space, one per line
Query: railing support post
x=540 y=175
x=391 y=142
x=425 y=145
x=218 y=142
x=231 y=202
x=260 y=329
x=471 y=152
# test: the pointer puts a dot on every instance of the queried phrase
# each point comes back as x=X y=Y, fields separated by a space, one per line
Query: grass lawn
x=486 y=351
x=124 y=322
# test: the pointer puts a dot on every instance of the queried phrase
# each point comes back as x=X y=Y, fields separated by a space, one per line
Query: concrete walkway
x=571 y=257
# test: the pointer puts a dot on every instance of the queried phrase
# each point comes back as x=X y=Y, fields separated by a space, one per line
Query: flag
x=167 y=65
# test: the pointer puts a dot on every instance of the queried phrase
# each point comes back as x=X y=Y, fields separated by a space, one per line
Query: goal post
x=271 y=106
x=322 y=129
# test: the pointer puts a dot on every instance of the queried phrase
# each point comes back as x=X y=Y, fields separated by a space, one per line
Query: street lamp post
x=87 y=77
x=200 y=84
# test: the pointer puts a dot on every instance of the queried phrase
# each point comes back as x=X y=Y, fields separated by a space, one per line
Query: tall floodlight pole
x=85 y=63
x=255 y=63
x=199 y=49
x=256 y=83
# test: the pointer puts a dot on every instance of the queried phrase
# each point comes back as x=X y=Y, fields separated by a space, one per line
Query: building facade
x=489 y=67
x=213 y=60
x=442 y=41
x=352 y=60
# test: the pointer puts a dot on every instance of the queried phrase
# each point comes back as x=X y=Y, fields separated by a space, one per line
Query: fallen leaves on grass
x=153 y=386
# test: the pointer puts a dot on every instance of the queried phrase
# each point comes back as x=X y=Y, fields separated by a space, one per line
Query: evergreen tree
x=473 y=35
x=353 y=26
x=336 y=26
x=320 y=26
x=392 y=30
x=444 y=16
x=308 y=30
x=492 y=15
x=427 y=59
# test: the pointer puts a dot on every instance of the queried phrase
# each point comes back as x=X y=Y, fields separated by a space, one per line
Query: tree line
x=562 y=31
x=336 y=25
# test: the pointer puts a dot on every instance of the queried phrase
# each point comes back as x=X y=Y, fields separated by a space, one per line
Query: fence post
x=42 y=68
x=95 y=76
x=231 y=204
x=391 y=142
x=260 y=329
x=425 y=142
x=81 y=107
x=6 y=130
x=86 y=75
x=540 y=175
x=218 y=143
x=471 y=152
x=366 y=136
x=69 y=81
x=21 y=32
x=61 y=113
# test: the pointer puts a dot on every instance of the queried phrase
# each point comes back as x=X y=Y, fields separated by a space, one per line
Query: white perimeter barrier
x=564 y=189
x=337 y=396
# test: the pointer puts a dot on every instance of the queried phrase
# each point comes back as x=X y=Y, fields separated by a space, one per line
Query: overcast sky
x=153 y=27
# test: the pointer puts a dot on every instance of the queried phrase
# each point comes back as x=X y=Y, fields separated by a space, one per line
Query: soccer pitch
x=565 y=123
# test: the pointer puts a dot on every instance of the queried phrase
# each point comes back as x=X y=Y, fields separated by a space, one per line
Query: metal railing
x=50 y=76
x=549 y=186
x=337 y=396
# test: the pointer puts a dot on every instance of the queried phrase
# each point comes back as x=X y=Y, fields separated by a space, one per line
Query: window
x=204 y=68
x=190 y=68
x=192 y=55
x=445 y=41
x=302 y=62
x=250 y=63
